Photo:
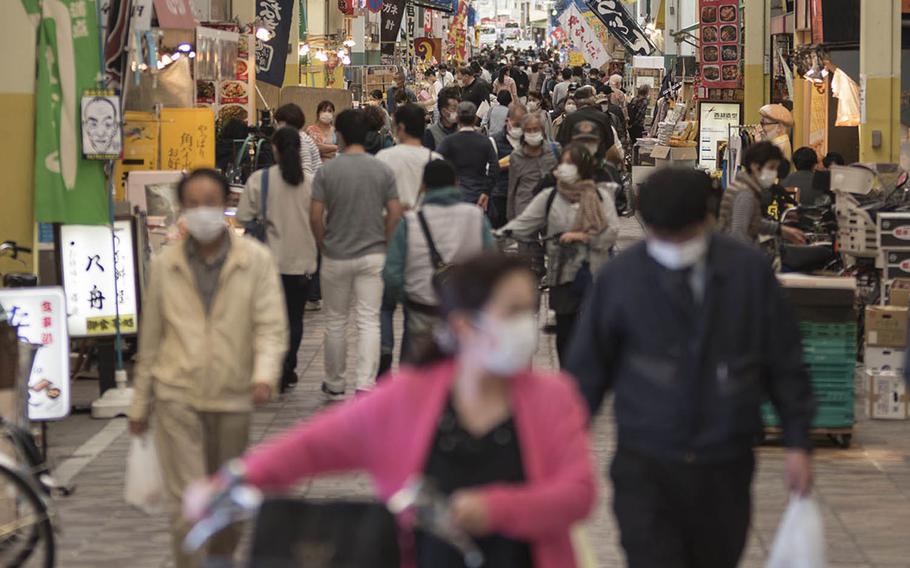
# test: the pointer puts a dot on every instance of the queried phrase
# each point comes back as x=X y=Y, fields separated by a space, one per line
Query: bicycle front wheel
x=26 y=531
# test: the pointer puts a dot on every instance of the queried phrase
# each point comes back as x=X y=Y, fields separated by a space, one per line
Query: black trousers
x=677 y=515
x=496 y=211
x=565 y=326
x=296 y=294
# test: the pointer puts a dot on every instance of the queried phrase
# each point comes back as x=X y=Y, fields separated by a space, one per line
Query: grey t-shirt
x=355 y=189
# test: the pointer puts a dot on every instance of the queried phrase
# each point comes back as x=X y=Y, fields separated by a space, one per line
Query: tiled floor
x=864 y=491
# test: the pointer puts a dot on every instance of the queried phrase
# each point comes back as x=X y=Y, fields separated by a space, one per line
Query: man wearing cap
x=587 y=110
x=776 y=122
x=472 y=154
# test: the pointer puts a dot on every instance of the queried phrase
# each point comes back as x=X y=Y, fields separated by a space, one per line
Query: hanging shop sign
x=458 y=33
x=714 y=121
x=102 y=138
x=175 y=14
x=444 y=6
x=68 y=188
x=232 y=95
x=272 y=55
x=187 y=138
x=409 y=27
x=99 y=278
x=720 y=45
x=583 y=37
x=390 y=19
x=621 y=25
x=40 y=316
x=428 y=49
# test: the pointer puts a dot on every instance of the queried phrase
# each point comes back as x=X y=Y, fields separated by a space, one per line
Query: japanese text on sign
x=621 y=25
x=583 y=37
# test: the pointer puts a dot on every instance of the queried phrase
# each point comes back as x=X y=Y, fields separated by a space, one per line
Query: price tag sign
x=40 y=316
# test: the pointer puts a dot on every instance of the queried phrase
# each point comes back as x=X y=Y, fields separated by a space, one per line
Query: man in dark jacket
x=587 y=110
x=692 y=332
x=505 y=141
x=473 y=156
x=473 y=89
x=398 y=86
x=520 y=76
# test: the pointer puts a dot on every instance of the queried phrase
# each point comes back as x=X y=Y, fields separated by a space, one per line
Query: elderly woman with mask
x=740 y=209
x=582 y=221
x=534 y=158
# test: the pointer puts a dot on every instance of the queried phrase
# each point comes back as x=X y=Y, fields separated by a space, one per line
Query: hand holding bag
x=258 y=227
x=800 y=539
x=144 y=487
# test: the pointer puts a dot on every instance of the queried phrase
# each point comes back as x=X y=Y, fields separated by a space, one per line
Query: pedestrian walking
x=580 y=221
x=399 y=86
x=692 y=332
x=505 y=141
x=292 y=115
x=506 y=444
x=473 y=88
x=354 y=211
x=473 y=156
x=534 y=158
x=504 y=82
x=323 y=131
x=638 y=112
x=587 y=110
x=212 y=340
x=496 y=118
x=407 y=160
x=447 y=123
x=280 y=197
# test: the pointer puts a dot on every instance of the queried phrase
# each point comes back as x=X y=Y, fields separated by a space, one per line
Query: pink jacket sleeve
x=536 y=510
x=336 y=440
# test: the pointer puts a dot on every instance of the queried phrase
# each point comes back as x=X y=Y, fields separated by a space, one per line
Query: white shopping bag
x=800 y=539
x=144 y=487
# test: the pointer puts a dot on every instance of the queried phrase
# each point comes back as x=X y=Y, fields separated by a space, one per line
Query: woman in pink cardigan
x=507 y=444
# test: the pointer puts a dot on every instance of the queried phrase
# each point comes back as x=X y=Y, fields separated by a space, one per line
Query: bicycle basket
x=293 y=533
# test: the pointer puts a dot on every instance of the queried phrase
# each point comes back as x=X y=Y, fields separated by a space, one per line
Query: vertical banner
x=720 y=52
x=458 y=32
x=409 y=27
x=392 y=12
x=621 y=26
x=68 y=188
x=583 y=37
x=272 y=55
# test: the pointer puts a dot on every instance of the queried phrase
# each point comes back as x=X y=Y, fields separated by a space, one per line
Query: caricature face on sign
x=101 y=137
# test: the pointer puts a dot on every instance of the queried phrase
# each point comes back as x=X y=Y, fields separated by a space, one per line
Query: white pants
x=360 y=280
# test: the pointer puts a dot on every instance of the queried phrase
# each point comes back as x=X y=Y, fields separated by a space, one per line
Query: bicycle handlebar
x=13 y=249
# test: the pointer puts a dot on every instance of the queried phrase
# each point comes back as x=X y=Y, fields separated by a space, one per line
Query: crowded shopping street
x=455 y=284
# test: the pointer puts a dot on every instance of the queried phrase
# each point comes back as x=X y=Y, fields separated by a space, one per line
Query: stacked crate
x=829 y=350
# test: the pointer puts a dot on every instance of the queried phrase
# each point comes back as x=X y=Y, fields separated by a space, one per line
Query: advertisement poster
x=187 y=138
x=233 y=96
x=621 y=25
x=272 y=55
x=93 y=298
x=583 y=37
x=40 y=314
x=101 y=135
x=458 y=33
x=714 y=120
x=720 y=49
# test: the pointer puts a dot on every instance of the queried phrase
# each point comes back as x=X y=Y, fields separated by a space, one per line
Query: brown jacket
x=210 y=361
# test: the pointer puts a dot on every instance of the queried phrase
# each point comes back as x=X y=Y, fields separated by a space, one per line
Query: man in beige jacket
x=213 y=337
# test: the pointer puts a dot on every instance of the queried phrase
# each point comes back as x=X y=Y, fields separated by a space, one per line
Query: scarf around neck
x=590 y=217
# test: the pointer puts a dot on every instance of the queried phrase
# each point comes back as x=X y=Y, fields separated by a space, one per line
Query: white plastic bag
x=144 y=487
x=800 y=539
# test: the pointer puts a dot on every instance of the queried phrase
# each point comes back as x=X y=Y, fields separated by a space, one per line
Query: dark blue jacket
x=475 y=161
x=689 y=385
x=503 y=148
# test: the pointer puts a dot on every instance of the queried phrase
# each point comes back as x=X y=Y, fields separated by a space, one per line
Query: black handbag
x=296 y=533
x=440 y=267
x=258 y=227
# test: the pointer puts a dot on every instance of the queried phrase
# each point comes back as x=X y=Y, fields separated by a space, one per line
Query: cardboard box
x=900 y=292
x=886 y=326
x=666 y=156
x=887 y=396
x=884 y=359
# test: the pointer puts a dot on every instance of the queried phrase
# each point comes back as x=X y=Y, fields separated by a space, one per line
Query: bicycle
x=419 y=500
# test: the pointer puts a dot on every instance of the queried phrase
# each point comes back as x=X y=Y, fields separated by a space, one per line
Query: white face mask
x=534 y=139
x=515 y=132
x=570 y=108
x=205 y=224
x=451 y=117
x=326 y=117
x=767 y=177
x=592 y=148
x=508 y=344
x=676 y=256
x=567 y=173
x=533 y=106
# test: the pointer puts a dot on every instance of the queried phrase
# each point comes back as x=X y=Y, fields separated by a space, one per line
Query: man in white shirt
x=292 y=115
x=445 y=75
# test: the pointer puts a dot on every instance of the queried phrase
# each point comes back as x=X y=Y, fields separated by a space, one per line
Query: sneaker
x=313 y=306
x=330 y=394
